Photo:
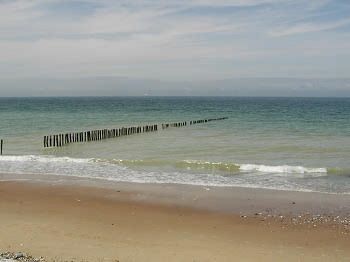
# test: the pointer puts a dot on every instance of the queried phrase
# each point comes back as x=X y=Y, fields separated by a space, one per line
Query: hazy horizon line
x=179 y=96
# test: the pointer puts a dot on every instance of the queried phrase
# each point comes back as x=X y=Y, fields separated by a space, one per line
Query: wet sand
x=137 y=222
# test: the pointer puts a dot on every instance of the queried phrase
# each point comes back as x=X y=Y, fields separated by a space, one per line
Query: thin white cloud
x=234 y=2
x=15 y=12
x=309 y=28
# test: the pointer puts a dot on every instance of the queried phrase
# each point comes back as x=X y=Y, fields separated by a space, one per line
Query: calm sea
x=300 y=144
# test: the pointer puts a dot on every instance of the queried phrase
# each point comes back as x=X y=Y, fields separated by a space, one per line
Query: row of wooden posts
x=95 y=135
x=180 y=124
x=60 y=140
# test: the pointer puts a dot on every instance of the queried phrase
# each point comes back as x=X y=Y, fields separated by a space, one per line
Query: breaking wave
x=44 y=159
x=184 y=164
x=281 y=169
x=191 y=172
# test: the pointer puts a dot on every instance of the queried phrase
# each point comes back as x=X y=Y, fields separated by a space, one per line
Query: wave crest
x=206 y=165
x=281 y=169
x=231 y=168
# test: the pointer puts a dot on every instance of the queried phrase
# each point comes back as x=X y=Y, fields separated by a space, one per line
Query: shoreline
x=229 y=200
x=147 y=222
x=265 y=176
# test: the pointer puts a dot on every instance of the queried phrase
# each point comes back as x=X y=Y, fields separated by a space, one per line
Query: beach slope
x=64 y=223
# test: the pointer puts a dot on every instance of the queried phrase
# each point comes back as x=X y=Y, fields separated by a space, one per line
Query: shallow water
x=298 y=144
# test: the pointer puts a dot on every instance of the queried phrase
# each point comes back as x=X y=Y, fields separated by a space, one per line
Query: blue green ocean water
x=300 y=144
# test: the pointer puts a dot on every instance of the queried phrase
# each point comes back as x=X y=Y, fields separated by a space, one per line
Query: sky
x=173 y=41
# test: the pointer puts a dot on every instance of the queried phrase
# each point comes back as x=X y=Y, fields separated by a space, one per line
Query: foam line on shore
x=184 y=164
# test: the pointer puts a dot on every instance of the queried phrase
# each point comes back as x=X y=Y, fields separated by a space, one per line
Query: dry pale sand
x=64 y=223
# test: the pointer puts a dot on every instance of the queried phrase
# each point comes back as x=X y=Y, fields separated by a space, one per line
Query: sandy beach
x=135 y=222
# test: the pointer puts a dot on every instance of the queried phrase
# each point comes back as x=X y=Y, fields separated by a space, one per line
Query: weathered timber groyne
x=1 y=145
x=62 y=139
x=193 y=122
x=59 y=140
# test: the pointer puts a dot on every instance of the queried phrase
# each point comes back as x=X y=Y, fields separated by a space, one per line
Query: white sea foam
x=284 y=169
x=281 y=169
x=44 y=159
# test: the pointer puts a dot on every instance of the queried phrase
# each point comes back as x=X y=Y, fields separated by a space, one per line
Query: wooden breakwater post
x=1 y=145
